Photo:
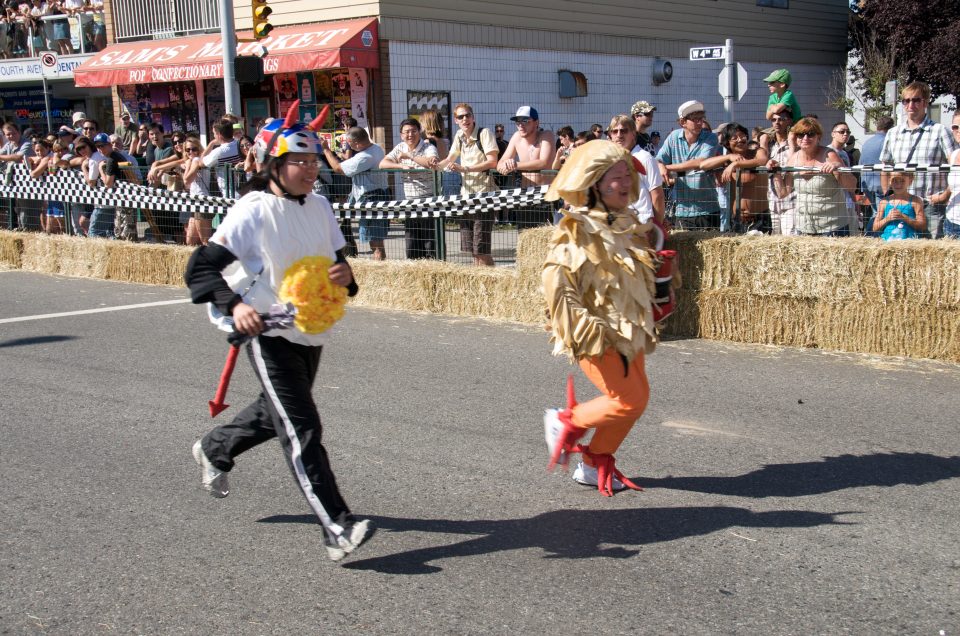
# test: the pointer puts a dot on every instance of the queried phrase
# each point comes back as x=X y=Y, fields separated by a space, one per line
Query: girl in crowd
x=45 y=162
x=288 y=237
x=599 y=283
x=196 y=178
x=821 y=205
x=900 y=214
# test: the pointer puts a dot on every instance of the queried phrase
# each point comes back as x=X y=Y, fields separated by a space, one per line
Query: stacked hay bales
x=94 y=258
x=856 y=294
x=457 y=290
x=863 y=295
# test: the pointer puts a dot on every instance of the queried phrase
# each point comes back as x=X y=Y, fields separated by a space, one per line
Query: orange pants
x=622 y=403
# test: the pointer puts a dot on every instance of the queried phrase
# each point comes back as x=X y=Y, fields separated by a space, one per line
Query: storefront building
x=178 y=82
x=22 y=99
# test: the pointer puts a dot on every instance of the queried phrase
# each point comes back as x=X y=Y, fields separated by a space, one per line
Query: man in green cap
x=780 y=93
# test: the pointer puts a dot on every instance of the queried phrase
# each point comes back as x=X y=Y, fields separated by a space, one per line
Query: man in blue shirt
x=682 y=152
x=870 y=155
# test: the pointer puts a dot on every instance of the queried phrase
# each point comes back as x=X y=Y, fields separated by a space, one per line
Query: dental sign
x=50 y=66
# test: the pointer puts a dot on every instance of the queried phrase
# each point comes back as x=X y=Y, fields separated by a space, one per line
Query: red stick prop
x=571 y=394
x=216 y=404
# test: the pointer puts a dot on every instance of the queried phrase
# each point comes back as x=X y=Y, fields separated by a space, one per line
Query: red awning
x=290 y=49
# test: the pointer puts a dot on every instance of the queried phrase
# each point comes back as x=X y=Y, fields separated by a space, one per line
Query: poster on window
x=285 y=85
x=341 y=87
x=358 y=96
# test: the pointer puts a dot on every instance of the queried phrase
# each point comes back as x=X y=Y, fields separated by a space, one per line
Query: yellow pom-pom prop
x=319 y=301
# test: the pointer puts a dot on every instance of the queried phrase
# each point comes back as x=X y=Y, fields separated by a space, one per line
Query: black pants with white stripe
x=286 y=410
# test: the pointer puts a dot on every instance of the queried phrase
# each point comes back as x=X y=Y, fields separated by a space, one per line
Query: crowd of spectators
x=783 y=177
x=29 y=27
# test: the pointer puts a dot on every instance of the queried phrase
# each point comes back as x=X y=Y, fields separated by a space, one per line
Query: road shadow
x=567 y=534
x=814 y=478
x=23 y=342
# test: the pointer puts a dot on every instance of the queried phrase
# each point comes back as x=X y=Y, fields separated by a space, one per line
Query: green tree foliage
x=913 y=39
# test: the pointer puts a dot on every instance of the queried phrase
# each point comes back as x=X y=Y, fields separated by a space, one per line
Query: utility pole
x=231 y=89
x=730 y=91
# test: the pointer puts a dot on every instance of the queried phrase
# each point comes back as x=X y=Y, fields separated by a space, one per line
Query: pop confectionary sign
x=291 y=49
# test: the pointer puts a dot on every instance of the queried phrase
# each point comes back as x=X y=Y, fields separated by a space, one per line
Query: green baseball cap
x=779 y=75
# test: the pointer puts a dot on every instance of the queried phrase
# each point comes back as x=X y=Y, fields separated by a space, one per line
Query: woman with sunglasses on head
x=196 y=179
x=821 y=204
x=287 y=238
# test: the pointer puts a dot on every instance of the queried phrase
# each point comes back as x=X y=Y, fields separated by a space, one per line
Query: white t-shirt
x=270 y=233
x=223 y=155
x=648 y=182
x=93 y=172
x=415 y=184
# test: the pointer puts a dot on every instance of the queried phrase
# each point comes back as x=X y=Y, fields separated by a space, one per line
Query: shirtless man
x=530 y=149
x=753 y=213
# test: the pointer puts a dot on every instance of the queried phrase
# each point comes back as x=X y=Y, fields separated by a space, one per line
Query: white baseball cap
x=77 y=116
x=690 y=107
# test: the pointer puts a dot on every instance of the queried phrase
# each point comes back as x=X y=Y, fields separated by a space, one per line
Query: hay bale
x=41 y=253
x=685 y=321
x=11 y=249
x=732 y=314
x=850 y=269
x=890 y=329
x=446 y=288
x=532 y=248
x=81 y=257
x=150 y=264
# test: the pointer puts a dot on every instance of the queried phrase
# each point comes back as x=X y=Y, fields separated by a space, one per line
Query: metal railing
x=84 y=33
x=454 y=229
x=147 y=19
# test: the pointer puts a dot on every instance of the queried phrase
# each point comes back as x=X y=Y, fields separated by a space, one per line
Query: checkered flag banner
x=69 y=186
x=444 y=206
x=877 y=167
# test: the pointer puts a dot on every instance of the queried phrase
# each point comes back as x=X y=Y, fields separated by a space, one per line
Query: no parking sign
x=49 y=64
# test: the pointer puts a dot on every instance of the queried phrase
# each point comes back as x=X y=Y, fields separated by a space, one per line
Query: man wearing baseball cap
x=127 y=130
x=530 y=150
x=682 y=153
x=779 y=83
x=112 y=168
x=642 y=113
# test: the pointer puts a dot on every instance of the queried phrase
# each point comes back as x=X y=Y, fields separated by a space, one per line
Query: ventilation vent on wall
x=572 y=84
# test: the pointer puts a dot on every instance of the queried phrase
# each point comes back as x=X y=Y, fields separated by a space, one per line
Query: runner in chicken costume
x=289 y=245
x=600 y=280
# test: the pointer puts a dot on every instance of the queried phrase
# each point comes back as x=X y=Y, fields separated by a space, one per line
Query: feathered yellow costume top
x=598 y=277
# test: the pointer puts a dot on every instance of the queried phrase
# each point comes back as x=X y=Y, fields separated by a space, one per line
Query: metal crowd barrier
x=814 y=204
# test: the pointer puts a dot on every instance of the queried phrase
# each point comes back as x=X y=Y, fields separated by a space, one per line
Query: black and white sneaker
x=214 y=481
x=355 y=533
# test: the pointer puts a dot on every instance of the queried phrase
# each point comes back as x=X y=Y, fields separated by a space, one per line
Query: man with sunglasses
x=781 y=145
x=682 y=153
x=530 y=150
x=917 y=139
x=642 y=113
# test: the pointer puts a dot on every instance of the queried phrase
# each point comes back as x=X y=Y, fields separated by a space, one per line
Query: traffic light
x=261 y=12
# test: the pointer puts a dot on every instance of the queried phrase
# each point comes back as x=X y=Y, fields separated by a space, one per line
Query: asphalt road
x=788 y=491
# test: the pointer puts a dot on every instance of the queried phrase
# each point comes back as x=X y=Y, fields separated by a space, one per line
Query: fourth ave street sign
x=707 y=53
